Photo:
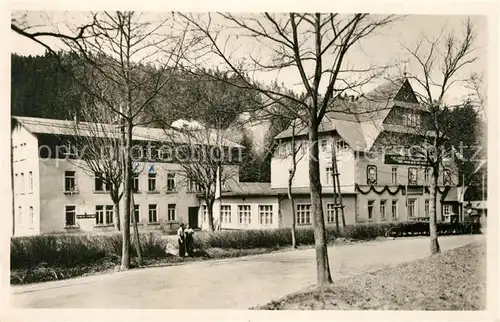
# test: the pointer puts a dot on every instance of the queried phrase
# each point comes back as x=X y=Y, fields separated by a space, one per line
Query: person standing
x=189 y=232
x=181 y=240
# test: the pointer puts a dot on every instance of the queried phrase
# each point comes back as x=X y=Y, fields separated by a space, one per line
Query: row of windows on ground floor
x=104 y=214
x=303 y=212
x=412 y=210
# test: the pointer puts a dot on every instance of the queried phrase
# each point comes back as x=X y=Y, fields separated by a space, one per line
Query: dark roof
x=359 y=122
x=37 y=125
x=307 y=191
x=248 y=189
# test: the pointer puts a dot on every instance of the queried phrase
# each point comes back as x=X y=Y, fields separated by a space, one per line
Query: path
x=223 y=284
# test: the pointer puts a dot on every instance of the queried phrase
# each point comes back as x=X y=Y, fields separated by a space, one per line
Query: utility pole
x=336 y=188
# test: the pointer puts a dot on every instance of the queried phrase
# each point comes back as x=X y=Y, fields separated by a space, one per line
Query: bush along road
x=46 y=258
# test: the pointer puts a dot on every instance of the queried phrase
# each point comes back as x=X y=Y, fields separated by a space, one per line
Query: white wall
x=345 y=161
x=25 y=160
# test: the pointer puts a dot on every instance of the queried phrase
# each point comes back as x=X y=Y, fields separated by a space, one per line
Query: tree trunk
x=433 y=214
x=125 y=262
x=322 y=265
x=137 y=240
x=116 y=205
x=210 y=213
x=292 y=211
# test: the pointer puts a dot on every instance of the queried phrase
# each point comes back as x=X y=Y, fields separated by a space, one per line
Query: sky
x=382 y=48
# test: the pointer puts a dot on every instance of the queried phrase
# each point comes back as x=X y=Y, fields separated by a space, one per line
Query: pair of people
x=185 y=239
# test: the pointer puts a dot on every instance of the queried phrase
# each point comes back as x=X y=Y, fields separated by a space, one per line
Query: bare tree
x=479 y=95
x=99 y=141
x=207 y=159
x=295 y=159
x=452 y=54
x=315 y=46
x=131 y=59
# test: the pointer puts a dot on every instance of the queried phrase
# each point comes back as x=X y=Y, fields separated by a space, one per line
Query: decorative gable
x=406 y=93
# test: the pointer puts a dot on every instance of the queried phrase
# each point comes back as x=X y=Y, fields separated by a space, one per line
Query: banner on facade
x=405 y=159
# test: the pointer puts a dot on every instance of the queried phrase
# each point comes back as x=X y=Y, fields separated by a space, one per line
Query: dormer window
x=341 y=145
x=412 y=119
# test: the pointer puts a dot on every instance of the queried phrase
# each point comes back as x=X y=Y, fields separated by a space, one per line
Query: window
x=135 y=182
x=153 y=213
x=165 y=154
x=109 y=214
x=304 y=214
x=330 y=213
x=151 y=181
x=21 y=183
x=341 y=145
x=99 y=184
x=193 y=186
x=171 y=212
x=69 y=181
x=412 y=208
x=16 y=183
x=446 y=177
x=427 y=175
x=412 y=176
x=329 y=177
x=137 y=214
x=205 y=213
x=371 y=204
x=244 y=214
x=31 y=218
x=226 y=214
x=426 y=208
x=99 y=215
x=266 y=214
x=171 y=182
x=104 y=214
x=70 y=214
x=447 y=212
x=382 y=210
x=30 y=181
x=394 y=209
x=394 y=175
x=412 y=119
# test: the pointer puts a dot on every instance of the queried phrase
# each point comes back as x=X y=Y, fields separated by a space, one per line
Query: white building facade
x=55 y=194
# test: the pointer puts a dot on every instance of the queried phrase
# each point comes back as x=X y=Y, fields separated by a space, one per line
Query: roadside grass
x=453 y=280
x=53 y=257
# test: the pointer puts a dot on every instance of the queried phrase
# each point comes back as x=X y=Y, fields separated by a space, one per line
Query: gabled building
x=55 y=193
x=378 y=182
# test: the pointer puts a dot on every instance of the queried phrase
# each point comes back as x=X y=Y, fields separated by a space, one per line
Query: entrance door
x=193 y=217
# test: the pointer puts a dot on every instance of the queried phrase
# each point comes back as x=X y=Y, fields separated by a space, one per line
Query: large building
x=377 y=182
x=56 y=193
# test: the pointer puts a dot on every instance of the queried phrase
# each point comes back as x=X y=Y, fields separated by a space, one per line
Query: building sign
x=85 y=216
x=404 y=159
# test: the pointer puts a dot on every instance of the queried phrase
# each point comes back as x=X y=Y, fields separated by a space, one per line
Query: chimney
x=351 y=98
